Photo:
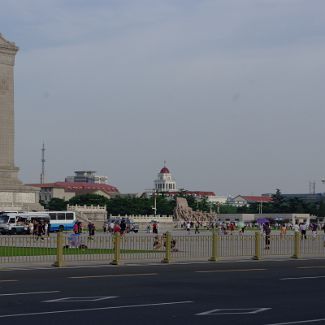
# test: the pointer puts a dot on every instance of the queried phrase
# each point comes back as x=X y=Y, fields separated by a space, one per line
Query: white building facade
x=165 y=181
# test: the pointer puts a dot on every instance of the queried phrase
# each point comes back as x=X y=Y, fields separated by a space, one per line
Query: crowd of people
x=38 y=228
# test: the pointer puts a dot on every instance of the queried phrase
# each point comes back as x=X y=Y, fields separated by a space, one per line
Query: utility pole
x=154 y=208
x=42 y=178
x=260 y=208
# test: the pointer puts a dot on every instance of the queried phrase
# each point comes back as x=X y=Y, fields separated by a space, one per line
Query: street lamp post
x=154 y=208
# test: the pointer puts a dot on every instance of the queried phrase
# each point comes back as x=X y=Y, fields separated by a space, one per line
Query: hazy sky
x=229 y=92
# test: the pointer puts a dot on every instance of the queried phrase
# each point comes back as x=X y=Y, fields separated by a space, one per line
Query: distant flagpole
x=42 y=178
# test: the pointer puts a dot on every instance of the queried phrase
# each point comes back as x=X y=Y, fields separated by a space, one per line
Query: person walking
x=91 y=231
x=31 y=228
x=188 y=227
x=105 y=226
x=303 y=230
x=283 y=230
x=117 y=228
x=111 y=227
x=314 y=230
x=197 y=228
x=155 y=228
x=46 y=229
x=296 y=227
x=123 y=226
x=40 y=230
x=267 y=231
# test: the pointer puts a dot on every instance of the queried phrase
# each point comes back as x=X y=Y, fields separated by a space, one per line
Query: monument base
x=22 y=198
x=14 y=196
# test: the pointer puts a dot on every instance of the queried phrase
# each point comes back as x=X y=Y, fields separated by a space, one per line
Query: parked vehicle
x=62 y=220
x=13 y=223
x=130 y=225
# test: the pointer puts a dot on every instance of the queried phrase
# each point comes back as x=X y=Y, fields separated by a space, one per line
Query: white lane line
x=300 y=322
x=112 y=275
x=303 y=278
x=97 y=309
x=81 y=299
x=27 y=293
x=8 y=280
x=233 y=311
x=231 y=270
x=311 y=267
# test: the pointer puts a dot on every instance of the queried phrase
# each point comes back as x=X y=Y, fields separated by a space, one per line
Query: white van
x=17 y=223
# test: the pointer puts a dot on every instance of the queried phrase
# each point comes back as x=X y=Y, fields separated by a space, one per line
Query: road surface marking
x=97 y=309
x=81 y=299
x=300 y=322
x=304 y=278
x=27 y=293
x=231 y=270
x=311 y=267
x=111 y=275
x=233 y=311
x=8 y=280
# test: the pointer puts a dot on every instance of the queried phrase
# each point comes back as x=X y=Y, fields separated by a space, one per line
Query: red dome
x=164 y=170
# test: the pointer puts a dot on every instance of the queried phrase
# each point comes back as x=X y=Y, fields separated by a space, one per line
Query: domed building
x=165 y=181
x=166 y=184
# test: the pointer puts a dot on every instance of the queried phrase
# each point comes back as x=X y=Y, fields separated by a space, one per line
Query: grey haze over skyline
x=230 y=92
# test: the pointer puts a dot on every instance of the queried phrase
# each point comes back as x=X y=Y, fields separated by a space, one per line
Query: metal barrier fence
x=63 y=249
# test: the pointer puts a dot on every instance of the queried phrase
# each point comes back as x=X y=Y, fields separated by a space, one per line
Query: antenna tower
x=43 y=164
x=312 y=187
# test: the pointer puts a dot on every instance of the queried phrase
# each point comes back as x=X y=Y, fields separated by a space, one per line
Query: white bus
x=62 y=220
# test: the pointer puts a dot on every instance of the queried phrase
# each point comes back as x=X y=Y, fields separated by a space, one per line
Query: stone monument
x=13 y=194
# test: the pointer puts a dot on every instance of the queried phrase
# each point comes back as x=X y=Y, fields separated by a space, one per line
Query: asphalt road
x=273 y=292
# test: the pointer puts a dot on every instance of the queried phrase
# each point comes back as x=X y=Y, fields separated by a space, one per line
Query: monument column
x=12 y=192
x=8 y=51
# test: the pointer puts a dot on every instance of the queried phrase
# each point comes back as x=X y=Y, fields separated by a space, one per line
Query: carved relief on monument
x=7 y=59
x=25 y=198
x=6 y=197
x=4 y=85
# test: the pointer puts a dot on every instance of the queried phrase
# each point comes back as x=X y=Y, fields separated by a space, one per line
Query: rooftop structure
x=67 y=190
x=86 y=176
x=246 y=200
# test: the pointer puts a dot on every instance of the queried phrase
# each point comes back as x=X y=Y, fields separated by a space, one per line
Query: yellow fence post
x=117 y=249
x=214 y=256
x=168 y=248
x=257 y=255
x=59 y=249
x=296 y=252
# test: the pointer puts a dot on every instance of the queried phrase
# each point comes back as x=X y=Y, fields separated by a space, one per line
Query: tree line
x=128 y=205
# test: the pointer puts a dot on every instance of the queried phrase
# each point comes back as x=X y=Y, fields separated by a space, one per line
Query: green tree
x=227 y=208
x=321 y=210
x=204 y=205
x=278 y=202
x=89 y=199
x=56 y=204
x=165 y=206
